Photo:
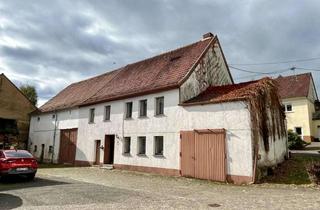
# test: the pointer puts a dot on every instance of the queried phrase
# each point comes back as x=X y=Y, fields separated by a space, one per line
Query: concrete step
x=107 y=166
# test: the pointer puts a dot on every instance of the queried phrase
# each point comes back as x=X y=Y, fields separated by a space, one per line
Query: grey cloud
x=59 y=45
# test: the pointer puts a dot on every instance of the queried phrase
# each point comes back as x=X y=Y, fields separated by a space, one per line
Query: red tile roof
x=294 y=86
x=164 y=71
x=226 y=93
x=76 y=93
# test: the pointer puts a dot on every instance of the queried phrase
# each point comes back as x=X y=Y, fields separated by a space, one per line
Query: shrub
x=295 y=141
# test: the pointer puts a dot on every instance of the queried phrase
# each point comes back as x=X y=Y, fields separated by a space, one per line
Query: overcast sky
x=51 y=44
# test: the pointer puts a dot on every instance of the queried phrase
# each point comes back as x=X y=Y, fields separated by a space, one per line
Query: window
x=38 y=119
x=141 y=145
x=53 y=116
x=50 y=149
x=126 y=145
x=107 y=110
x=128 y=110
x=159 y=105
x=158 y=145
x=35 y=148
x=298 y=130
x=91 y=116
x=288 y=107
x=143 y=108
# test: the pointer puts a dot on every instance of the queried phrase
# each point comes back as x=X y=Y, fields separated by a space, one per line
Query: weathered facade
x=137 y=118
x=15 y=111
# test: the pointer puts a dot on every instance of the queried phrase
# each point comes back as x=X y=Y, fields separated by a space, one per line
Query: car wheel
x=31 y=176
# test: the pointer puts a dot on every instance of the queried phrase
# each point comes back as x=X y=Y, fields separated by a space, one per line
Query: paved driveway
x=93 y=188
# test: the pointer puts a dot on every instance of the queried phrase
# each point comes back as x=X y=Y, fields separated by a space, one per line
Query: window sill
x=128 y=118
x=91 y=123
x=106 y=120
x=142 y=155
x=159 y=156
x=159 y=115
x=143 y=117
x=126 y=154
x=289 y=111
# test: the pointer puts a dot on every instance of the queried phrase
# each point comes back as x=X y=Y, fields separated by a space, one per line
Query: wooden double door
x=203 y=154
x=68 y=146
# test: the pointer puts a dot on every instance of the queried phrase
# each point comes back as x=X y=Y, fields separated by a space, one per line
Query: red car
x=17 y=162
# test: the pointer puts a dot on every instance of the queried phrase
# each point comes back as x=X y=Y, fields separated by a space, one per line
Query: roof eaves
x=140 y=93
x=213 y=102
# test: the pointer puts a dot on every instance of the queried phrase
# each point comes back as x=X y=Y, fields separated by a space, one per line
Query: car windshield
x=17 y=154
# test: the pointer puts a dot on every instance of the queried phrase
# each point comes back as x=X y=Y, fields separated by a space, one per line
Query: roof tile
x=162 y=71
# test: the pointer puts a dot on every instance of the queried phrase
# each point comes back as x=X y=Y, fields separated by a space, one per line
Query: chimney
x=207 y=35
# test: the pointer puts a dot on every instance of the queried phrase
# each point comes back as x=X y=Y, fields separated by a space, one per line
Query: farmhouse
x=178 y=113
x=15 y=109
x=301 y=104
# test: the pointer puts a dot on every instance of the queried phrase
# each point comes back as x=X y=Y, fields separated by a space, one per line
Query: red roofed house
x=299 y=97
x=177 y=113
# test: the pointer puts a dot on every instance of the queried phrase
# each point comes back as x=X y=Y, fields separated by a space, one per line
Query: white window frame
x=126 y=110
x=154 y=147
x=138 y=145
x=105 y=113
x=286 y=109
x=124 y=145
x=156 y=106
x=91 y=117
x=146 y=108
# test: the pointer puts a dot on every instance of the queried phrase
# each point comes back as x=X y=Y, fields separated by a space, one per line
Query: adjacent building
x=300 y=99
x=178 y=113
x=15 y=109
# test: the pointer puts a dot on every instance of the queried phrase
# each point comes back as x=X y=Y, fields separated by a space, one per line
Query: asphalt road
x=94 y=188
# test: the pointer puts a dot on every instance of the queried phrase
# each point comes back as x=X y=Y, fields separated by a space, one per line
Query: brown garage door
x=203 y=154
x=68 y=145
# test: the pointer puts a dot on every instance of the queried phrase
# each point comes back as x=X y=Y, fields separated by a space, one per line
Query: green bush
x=295 y=141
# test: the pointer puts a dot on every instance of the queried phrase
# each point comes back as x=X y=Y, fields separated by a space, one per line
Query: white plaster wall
x=42 y=132
x=150 y=126
x=275 y=155
x=277 y=148
x=234 y=117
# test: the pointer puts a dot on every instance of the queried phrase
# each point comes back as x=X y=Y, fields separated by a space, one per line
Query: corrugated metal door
x=187 y=153
x=205 y=153
x=68 y=146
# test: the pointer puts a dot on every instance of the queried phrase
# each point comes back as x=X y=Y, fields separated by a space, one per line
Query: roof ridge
x=169 y=51
x=139 y=61
x=151 y=58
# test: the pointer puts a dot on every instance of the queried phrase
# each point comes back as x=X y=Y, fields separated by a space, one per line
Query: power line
x=261 y=73
x=308 y=69
x=276 y=62
x=274 y=72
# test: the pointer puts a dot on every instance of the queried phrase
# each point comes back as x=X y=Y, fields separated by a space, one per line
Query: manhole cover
x=214 y=205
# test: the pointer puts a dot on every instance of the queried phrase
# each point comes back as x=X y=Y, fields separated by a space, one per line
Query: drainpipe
x=54 y=135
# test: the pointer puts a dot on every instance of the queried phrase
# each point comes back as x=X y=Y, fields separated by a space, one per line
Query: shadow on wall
x=9 y=201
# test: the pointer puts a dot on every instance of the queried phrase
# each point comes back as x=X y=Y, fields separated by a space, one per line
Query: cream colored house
x=299 y=98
